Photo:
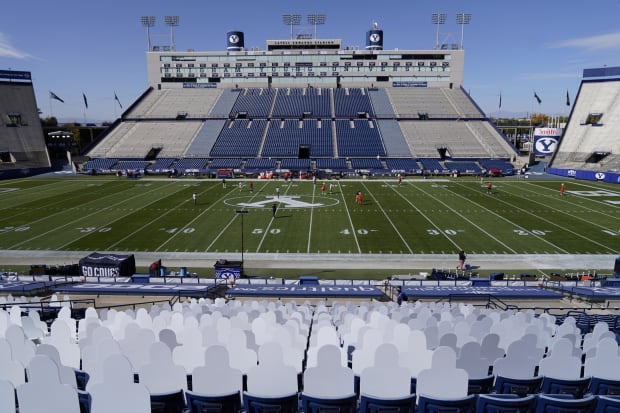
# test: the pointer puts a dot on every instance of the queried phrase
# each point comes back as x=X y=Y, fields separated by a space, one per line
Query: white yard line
x=488 y=234
x=262 y=239
x=430 y=221
x=507 y=220
x=98 y=211
x=344 y=204
x=594 y=211
x=576 y=234
x=233 y=219
x=388 y=218
x=311 y=217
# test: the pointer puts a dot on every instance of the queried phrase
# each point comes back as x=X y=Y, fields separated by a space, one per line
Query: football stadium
x=310 y=227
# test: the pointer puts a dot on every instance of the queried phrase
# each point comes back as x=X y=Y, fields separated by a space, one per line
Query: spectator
x=462 y=258
x=402 y=296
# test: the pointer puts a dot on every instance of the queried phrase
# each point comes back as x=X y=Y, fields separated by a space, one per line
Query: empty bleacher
x=136 y=139
x=168 y=103
x=407 y=165
x=298 y=103
x=284 y=138
x=584 y=137
x=241 y=137
x=358 y=137
x=424 y=137
x=289 y=122
x=253 y=103
x=351 y=103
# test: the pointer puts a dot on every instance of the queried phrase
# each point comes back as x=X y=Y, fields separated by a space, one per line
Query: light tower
x=291 y=20
x=148 y=22
x=316 y=19
x=463 y=19
x=172 y=21
x=438 y=18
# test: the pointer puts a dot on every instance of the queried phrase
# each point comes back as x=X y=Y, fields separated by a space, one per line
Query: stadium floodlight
x=438 y=18
x=291 y=20
x=316 y=19
x=171 y=21
x=463 y=19
x=148 y=22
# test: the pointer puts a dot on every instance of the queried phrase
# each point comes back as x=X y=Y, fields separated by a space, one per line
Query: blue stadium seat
x=310 y=404
x=173 y=402
x=85 y=401
x=228 y=403
x=375 y=405
x=432 y=405
x=520 y=387
x=604 y=387
x=481 y=385
x=550 y=404
x=576 y=388
x=494 y=403
x=259 y=404
x=607 y=404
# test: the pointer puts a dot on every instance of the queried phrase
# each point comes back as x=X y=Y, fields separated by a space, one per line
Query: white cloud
x=609 y=41
x=7 y=50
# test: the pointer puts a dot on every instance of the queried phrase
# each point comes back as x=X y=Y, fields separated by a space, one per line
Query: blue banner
x=190 y=85
x=611 y=177
x=15 y=75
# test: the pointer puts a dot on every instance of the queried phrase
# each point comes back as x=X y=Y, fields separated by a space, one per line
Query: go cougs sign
x=107 y=265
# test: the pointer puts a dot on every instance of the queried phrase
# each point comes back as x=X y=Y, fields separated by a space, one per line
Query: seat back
x=284 y=404
x=227 y=403
x=520 y=387
x=488 y=403
x=606 y=404
x=576 y=388
x=310 y=404
x=606 y=387
x=173 y=402
x=378 y=405
x=550 y=404
x=432 y=405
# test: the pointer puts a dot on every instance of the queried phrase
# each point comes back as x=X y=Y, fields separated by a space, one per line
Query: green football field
x=434 y=216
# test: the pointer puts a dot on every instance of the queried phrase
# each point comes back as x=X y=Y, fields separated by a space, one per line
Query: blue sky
x=511 y=47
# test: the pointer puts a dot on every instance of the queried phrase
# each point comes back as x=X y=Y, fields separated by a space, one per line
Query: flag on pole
x=85 y=100
x=55 y=96
x=567 y=99
x=537 y=98
x=116 y=99
x=500 y=100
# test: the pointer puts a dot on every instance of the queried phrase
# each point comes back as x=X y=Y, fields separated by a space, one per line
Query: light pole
x=148 y=22
x=438 y=18
x=241 y=212
x=291 y=20
x=316 y=19
x=172 y=21
x=463 y=19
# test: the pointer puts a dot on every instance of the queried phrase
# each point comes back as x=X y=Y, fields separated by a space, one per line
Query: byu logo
x=546 y=145
x=600 y=176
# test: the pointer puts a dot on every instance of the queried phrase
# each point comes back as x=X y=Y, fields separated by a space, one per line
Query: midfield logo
x=284 y=201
